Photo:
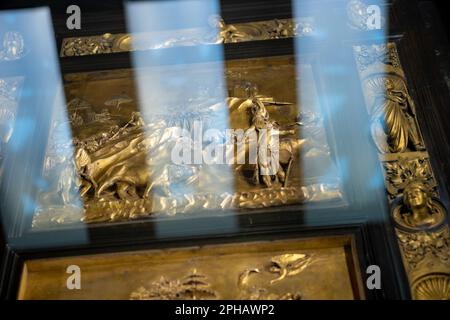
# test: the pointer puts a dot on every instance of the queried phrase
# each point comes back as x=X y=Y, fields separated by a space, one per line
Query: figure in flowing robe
x=393 y=128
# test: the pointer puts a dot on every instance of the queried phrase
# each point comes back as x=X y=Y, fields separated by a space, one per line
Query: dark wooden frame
x=366 y=220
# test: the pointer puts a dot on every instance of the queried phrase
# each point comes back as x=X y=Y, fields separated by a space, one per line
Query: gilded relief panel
x=284 y=269
x=124 y=166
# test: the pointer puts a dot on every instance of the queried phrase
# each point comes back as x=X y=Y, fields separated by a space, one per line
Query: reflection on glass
x=215 y=32
x=13 y=46
x=33 y=121
x=185 y=132
x=10 y=88
x=335 y=70
x=116 y=130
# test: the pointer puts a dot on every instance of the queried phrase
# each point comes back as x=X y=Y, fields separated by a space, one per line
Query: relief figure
x=393 y=116
x=419 y=210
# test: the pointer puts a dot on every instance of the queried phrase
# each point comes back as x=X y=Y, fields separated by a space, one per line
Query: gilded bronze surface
x=418 y=214
x=283 y=269
x=418 y=210
x=432 y=287
x=394 y=127
x=406 y=168
x=218 y=32
x=122 y=168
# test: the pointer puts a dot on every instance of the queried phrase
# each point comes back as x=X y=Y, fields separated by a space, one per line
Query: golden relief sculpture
x=432 y=287
x=267 y=270
x=419 y=216
x=421 y=246
x=218 y=32
x=192 y=287
x=394 y=127
x=407 y=168
x=419 y=210
x=392 y=115
x=250 y=283
x=122 y=166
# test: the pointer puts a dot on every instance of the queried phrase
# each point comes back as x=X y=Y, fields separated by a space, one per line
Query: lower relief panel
x=284 y=269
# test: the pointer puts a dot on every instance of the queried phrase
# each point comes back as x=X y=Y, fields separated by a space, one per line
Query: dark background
x=101 y=5
x=442 y=8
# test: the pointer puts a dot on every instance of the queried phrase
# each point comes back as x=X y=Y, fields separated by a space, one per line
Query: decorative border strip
x=418 y=214
x=228 y=33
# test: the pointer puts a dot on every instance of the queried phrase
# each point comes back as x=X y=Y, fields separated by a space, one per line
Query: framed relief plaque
x=272 y=270
x=110 y=131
